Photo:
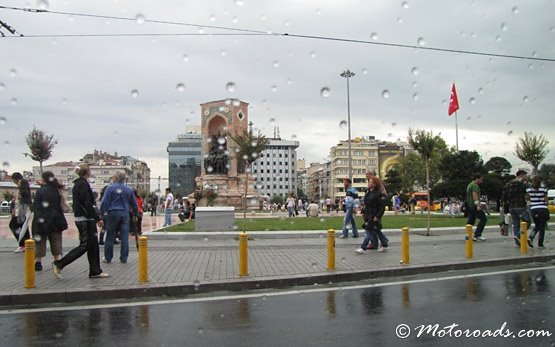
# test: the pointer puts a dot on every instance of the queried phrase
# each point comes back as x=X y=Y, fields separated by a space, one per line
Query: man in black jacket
x=86 y=219
x=514 y=202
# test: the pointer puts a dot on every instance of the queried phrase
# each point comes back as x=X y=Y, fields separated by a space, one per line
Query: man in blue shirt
x=117 y=203
x=350 y=196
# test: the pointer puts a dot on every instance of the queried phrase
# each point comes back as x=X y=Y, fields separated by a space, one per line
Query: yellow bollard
x=523 y=237
x=405 y=255
x=331 y=249
x=30 y=263
x=143 y=259
x=243 y=254
x=469 y=241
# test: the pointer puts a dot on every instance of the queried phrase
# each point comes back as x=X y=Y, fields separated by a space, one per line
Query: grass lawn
x=336 y=222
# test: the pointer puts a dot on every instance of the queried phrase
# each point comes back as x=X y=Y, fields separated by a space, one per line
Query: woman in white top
x=538 y=209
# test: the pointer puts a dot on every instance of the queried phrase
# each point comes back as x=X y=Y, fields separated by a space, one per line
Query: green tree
x=8 y=196
x=394 y=181
x=249 y=148
x=277 y=199
x=301 y=194
x=460 y=165
x=41 y=145
x=498 y=165
x=532 y=149
x=425 y=143
x=547 y=171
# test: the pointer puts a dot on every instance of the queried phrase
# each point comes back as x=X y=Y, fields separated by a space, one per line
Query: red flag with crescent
x=453 y=101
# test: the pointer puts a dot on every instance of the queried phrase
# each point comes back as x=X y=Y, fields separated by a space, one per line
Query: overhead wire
x=251 y=32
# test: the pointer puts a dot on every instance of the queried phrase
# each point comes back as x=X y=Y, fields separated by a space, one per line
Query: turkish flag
x=453 y=101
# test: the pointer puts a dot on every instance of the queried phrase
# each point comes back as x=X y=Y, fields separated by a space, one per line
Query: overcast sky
x=80 y=88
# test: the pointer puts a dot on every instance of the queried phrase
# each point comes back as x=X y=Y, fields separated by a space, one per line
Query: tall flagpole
x=457 y=130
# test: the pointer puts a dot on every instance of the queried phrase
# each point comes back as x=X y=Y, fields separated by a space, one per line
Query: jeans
x=373 y=230
x=117 y=220
x=474 y=214
x=88 y=243
x=167 y=216
x=15 y=227
x=290 y=211
x=349 y=218
x=540 y=216
x=518 y=214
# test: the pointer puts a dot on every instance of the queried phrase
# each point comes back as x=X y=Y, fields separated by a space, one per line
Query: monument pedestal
x=228 y=190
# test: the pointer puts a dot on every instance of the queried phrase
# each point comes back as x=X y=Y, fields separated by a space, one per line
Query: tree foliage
x=498 y=165
x=532 y=149
x=41 y=145
x=460 y=165
x=426 y=144
x=394 y=181
x=547 y=171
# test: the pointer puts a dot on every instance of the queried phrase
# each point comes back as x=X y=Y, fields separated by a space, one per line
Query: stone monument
x=221 y=182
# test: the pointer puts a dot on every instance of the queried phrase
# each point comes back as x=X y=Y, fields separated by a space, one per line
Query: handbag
x=63 y=202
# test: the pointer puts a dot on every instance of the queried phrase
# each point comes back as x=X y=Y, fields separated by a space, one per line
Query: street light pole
x=347 y=74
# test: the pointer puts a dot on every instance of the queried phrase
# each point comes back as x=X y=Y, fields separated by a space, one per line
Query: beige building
x=364 y=157
x=103 y=166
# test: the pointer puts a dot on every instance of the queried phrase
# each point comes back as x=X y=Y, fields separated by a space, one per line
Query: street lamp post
x=347 y=74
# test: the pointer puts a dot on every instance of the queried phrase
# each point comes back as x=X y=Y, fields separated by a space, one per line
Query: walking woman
x=86 y=219
x=374 y=208
x=538 y=209
x=19 y=206
x=49 y=220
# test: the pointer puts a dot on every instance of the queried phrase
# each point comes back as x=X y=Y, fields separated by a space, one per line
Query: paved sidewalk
x=195 y=263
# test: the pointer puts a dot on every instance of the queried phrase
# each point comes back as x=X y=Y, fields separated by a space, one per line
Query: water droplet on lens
x=342 y=124
x=2 y=86
x=510 y=132
x=515 y=10
x=230 y=87
x=185 y=58
x=13 y=101
x=421 y=41
x=525 y=99
x=239 y=2
x=13 y=72
x=276 y=64
x=374 y=36
x=274 y=88
x=414 y=71
x=209 y=169
x=313 y=54
x=472 y=101
x=135 y=93
x=5 y=165
x=200 y=330
x=405 y=4
x=3 y=120
x=140 y=19
x=504 y=27
x=325 y=92
x=45 y=204
x=314 y=265
x=42 y=4
x=385 y=94
x=364 y=71
x=180 y=87
x=399 y=20
x=223 y=53
x=393 y=124
x=481 y=90
x=415 y=96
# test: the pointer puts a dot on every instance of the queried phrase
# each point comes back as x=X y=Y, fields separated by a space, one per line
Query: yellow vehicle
x=551 y=199
x=421 y=201
x=436 y=206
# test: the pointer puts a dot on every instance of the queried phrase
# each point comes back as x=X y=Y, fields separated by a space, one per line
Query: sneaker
x=474 y=239
x=100 y=275
x=38 y=266
x=105 y=261
x=382 y=249
x=56 y=270
x=481 y=238
x=343 y=237
x=359 y=251
x=517 y=242
x=19 y=250
x=530 y=243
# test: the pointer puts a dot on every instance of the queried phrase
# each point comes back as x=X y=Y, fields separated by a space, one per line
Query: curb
x=35 y=297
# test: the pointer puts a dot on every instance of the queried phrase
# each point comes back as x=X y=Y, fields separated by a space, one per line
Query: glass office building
x=184 y=162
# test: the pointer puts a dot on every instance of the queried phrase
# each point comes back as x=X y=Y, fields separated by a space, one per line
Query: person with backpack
x=514 y=202
x=474 y=208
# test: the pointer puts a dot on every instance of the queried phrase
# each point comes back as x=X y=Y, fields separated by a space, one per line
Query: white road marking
x=265 y=294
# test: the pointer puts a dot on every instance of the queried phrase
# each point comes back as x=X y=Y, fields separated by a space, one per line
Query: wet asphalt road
x=367 y=314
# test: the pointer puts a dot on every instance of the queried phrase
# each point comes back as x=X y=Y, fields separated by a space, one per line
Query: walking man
x=514 y=199
x=350 y=196
x=168 y=206
x=475 y=211
x=117 y=202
